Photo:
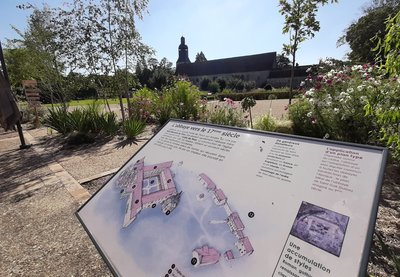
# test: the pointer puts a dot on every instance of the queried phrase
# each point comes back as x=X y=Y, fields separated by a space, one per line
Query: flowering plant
x=333 y=104
x=226 y=113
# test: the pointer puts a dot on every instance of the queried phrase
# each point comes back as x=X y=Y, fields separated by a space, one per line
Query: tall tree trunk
x=127 y=81
x=121 y=103
x=294 y=49
x=291 y=78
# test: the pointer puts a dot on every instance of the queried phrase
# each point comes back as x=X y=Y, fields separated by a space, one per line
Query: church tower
x=183 y=52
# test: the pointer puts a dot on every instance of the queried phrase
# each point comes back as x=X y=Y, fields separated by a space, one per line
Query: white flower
x=356 y=67
x=377 y=83
x=360 y=87
x=350 y=90
x=310 y=92
x=336 y=110
x=309 y=114
x=311 y=100
x=302 y=83
x=363 y=99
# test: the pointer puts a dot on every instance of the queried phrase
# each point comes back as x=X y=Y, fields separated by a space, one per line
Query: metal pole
x=18 y=123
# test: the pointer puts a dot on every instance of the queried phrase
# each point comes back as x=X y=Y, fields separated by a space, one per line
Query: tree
x=363 y=34
x=390 y=46
x=100 y=37
x=282 y=61
x=301 y=24
x=154 y=74
x=41 y=49
x=200 y=57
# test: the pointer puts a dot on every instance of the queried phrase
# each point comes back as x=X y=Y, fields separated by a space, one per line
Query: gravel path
x=40 y=235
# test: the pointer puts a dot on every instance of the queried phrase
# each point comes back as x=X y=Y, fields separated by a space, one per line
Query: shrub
x=249 y=85
x=213 y=87
x=133 y=128
x=333 y=106
x=163 y=109
x=268 y=87
x=204 y=83
x=143 y=104
x=221 y=83
x=185 y=100
x=385 y=107
x=236 y=84
x=226 y=114
x=226 y=91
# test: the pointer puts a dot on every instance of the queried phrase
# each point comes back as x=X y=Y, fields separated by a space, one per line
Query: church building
x=260 y=68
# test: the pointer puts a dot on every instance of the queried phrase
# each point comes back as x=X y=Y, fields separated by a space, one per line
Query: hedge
x=259 y=95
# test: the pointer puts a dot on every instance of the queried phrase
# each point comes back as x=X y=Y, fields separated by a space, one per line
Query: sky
x=220 y=29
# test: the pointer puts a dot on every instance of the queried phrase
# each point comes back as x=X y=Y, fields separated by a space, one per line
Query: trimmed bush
x=213 y=87
x=204 y=83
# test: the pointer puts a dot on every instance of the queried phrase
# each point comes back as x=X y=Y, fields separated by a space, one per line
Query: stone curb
x=97 y=176
x=79 y=193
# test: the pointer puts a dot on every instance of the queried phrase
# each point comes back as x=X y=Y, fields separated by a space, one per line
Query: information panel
x=206 y=200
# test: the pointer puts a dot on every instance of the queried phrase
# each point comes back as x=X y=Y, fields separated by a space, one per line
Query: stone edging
x=79 y=193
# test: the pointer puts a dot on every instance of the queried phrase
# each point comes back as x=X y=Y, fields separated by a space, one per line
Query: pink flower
x=313 y=120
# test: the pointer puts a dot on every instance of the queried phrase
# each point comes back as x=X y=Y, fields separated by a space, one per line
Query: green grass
x=83 y=102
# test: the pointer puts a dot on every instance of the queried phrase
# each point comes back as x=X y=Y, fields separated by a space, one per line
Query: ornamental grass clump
x=133 y=128
x=266 y=123
x=83 y=124
x=58 y=119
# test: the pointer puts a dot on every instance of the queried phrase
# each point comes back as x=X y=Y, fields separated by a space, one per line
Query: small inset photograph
x=320 y=227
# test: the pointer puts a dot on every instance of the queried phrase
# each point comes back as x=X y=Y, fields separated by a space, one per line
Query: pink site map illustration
x=180 y=200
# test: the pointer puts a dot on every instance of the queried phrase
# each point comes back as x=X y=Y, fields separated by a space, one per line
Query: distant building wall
x=285 y=82
x=259 y=77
